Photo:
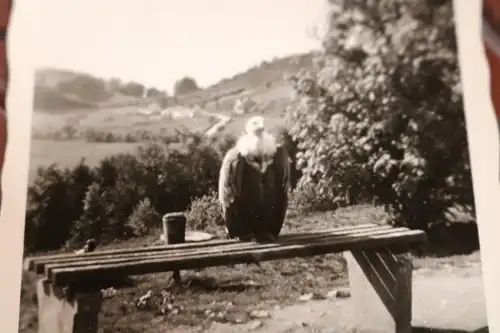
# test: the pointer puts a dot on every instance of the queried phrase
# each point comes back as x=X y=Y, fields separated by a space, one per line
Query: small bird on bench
x=253 y=185
x=89 y=246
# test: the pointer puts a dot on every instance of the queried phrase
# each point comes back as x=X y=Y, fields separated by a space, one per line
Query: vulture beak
x=264 y=165
x=257 y=145
x=259 y=131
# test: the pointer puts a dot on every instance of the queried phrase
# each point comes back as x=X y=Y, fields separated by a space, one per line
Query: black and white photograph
x=261 y=166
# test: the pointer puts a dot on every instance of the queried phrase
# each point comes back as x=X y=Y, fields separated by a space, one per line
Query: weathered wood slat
x=29 y=261
x=39 y=265
x=305 y=239
x=403 y=295
x=64 y=276
x=32 y=263
x=379 y=274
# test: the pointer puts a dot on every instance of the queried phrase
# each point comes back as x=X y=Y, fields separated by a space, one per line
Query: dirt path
x=449 y=300
x=219 y=125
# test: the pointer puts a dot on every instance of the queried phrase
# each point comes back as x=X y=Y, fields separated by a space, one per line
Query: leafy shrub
x=68 y=206
x=71 y=132
x=92 y=221
x=143 y=219
x=310 y=197
x=205 y=214
x=54 y=201
x=92 y=135
x=381 y=120
x=181 y=174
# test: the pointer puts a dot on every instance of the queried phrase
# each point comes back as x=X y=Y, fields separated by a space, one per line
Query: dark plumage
x=253 y=185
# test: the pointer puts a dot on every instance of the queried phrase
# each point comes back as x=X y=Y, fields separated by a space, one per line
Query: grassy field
x=69 y=153
x=45 y=149
x=230 y=294
x=264 y=83
x=121 y=120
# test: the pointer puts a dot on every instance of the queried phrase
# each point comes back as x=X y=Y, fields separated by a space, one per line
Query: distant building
x=178 y=112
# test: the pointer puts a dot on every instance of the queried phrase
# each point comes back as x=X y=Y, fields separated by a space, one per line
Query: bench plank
x=264 y=252
x=30 y=261
x=303 y=239
x=37 y=264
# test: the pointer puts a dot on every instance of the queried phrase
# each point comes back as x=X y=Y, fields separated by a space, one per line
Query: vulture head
x=257 y=146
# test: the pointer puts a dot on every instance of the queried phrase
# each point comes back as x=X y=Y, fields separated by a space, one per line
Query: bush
x=106 y=202
x=54 y=202
x=92 y=221
x=381 y=120
x=143 y=219
x=205 y=214
x=72 y=132
x=309 y=197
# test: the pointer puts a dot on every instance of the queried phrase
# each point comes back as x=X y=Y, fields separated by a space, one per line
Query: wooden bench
x=378 y=259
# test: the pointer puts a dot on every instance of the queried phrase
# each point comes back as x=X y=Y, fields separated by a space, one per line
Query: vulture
x=253 y=185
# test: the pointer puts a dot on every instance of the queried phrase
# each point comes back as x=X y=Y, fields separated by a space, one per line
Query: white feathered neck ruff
x=253 y=143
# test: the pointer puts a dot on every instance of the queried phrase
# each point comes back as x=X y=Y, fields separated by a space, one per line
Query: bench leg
x=381 y=287
x=60 y=313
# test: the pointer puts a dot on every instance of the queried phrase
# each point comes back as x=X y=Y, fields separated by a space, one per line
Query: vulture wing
x=281 y=167
x=230 y=181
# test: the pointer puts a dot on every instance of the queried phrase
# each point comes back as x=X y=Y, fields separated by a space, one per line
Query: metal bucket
x=174 y=228
x=174 y=231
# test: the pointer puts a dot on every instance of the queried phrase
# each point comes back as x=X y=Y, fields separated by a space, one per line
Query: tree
x=185 y=85
x=92 y=222
x=54 y=202
x=114 y=84
x=85 y=87
x=134 y=89
x=155 y=93
x=381 y=118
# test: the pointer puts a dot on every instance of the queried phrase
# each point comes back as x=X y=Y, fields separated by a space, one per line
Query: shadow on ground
x=441 y=330
x=208 y=284
x=461 y=238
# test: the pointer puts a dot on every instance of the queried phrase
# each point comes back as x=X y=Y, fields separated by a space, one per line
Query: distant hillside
x=263 y=76
x=57 y=90
x=50 y=99
x=50 y=78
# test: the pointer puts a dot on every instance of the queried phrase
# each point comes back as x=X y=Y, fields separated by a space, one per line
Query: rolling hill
x=61 y=89
x=69 y=106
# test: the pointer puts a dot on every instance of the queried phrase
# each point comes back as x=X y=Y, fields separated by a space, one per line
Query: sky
x=156 y=42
